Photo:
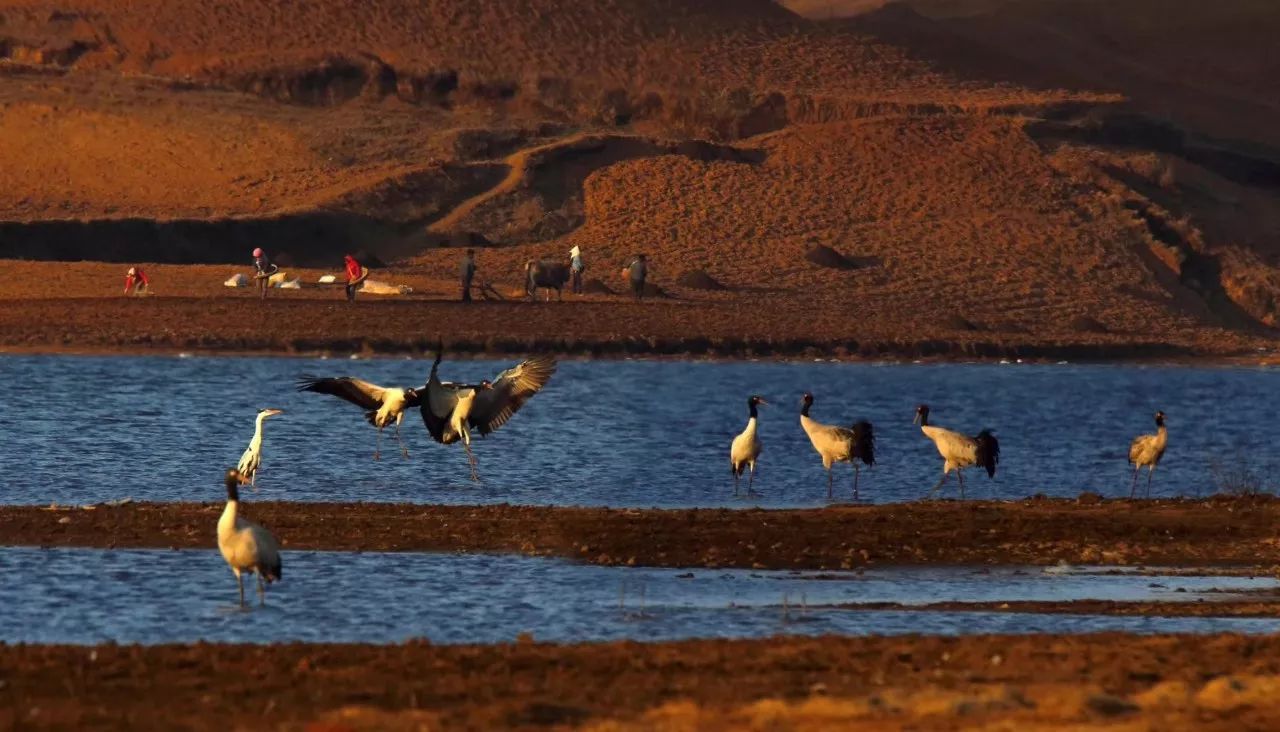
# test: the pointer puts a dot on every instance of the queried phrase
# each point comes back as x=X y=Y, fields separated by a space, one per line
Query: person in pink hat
x=262 y=271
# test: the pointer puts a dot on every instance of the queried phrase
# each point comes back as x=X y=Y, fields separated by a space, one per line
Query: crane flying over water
x=383 y=405
x=450 y=411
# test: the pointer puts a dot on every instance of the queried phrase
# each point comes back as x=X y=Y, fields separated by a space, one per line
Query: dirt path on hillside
x=1110 y=681
x=1034 y=532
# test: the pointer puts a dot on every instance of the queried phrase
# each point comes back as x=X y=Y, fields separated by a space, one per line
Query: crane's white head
x=922 y=414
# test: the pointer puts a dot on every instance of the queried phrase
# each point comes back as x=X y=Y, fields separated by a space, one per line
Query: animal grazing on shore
x=958 y=450
x=1146 y=451
x=839 y=444
x=746 y=446
x=546 y=273
x=246 y=546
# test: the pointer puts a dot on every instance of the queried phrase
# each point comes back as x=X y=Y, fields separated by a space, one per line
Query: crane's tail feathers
x=738 y=469
x=371 y=417
x=271 y=574
x=988 y=451
x=864 y=442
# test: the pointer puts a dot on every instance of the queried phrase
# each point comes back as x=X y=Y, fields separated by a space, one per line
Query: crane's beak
x=916 y=419
x=762 y=401
x=274 y=412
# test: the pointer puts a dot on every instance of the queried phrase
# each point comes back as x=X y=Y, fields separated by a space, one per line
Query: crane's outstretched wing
x=513 y=387
x=360 y=393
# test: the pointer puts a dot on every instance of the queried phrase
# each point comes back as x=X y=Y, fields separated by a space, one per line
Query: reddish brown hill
x=1012 y=169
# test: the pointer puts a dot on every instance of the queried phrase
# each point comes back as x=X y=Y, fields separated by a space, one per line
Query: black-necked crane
x=450 y=411
x=746 y=446
x=839 y=444
x=959 y=451
x=252 y=457
x=383 y=405
x=246 y=546
x=1146 y=451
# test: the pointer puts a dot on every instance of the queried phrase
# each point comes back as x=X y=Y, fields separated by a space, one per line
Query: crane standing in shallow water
x=745 y=448
x=839 y=444
x=959 y=451
x=1146 y=450
x=246 y=546
x=252 y=457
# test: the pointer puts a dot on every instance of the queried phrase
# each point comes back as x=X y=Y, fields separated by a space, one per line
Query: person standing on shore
x=261 y=271
x=468 y=273
x=576 y=268
x=353 y=276
x=638 y=271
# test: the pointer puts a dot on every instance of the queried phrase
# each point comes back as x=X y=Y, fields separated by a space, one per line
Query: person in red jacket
x=353 y=276
x=135 y=281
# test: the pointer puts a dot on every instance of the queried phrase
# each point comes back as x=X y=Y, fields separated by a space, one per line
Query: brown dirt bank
x=1261 y=607
x=1034 y=531
x=1218 y=682
x=76 y=306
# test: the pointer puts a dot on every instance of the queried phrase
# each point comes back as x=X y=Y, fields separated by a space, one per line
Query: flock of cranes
x=451 y=411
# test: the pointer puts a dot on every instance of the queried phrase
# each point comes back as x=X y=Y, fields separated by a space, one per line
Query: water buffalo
x=546 y=273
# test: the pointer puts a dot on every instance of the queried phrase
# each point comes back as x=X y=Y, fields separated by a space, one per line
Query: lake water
x=617 y=433
x=156 y=596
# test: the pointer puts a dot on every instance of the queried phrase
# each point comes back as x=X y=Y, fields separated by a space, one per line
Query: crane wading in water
x=252 y=457
x=745 y=448
x=450 y=411
x=246 y=546
x=839 y=444
x=383 y=405
x=1146 y=450
x=959 y=451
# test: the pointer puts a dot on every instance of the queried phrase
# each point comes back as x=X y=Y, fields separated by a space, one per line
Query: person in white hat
x=576 y=268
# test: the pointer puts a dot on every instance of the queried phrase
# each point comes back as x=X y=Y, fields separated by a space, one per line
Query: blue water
x=618 y=433
x=156 y=596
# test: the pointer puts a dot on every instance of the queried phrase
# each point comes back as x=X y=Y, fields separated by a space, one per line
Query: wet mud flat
x=1216 y=682
x=590 y=328
x=1089 y=530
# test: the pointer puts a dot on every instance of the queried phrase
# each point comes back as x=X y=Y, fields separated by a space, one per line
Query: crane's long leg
x=829 y=484
x=960 y=478
x=855 y=482
x=377 y=446
x=404 y=451
x=240 y=584
x=938 y=486
x=471 y=460
x=262 y=591
x=735 y=479
x=1133 y=485
x=1149 y=474
x=751 y=480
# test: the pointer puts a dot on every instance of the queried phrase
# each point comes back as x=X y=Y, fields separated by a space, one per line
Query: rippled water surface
x=150 y=596
x=641 y=433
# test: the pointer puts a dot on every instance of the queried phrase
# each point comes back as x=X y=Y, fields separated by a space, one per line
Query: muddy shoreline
x=1217 y=682
x=1220 y=531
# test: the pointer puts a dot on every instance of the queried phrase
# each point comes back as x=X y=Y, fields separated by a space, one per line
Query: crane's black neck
x=1159 y=421
x=804 y=408
x=233 y=488
x=751 y=404
x=924 y=419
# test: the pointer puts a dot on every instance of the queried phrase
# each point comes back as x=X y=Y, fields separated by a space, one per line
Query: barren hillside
x=1007 y=170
